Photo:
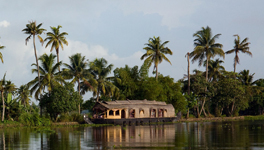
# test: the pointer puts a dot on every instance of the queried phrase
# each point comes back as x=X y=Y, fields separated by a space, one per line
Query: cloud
x=4 y=23
x=173 y=14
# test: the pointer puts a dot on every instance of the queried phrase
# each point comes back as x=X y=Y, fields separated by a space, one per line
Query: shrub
x=33 y=120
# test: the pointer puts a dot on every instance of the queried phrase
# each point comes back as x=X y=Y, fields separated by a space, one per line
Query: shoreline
x=213 y=119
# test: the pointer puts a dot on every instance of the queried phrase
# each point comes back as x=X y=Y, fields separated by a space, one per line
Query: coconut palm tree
x=155 y=53
x=34 y=30
x=239 y=47
x=205 y=47
x=49 y=75
x=215 y=69
x=56 y=40
x=5 y=86
x=78 y=71
x=246 y=78
x=1 y=56
x=24 y=94
x=103 y=85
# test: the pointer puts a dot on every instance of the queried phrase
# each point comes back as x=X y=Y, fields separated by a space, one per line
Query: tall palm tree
x=155 y=53
x=56 y=40
x=78 y=71
x=215 y=69
x=1 y=56
x=5 y=86
x=24 y=94
x=239 y=47
x=49 y=75
x=100 y=70
x=34 y=30
x=205 y=47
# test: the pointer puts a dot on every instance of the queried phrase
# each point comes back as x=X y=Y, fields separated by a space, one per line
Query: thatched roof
x=120 y=104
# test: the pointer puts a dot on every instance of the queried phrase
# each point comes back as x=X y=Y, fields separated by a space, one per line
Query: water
x=203 y=135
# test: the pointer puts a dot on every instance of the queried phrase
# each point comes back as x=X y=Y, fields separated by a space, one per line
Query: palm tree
x=215 y=69
x=5 y=86
x=100 y=71
x=24 y=94
x=56 y=40
x=246 y=78
x=205 y=47
x=49 y=75
x=1 y=56
x=155 y=53
x=239 y=47
x=34 y=30
x=77 y=71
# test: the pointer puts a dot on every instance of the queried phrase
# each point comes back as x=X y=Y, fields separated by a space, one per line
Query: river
x=192 y=135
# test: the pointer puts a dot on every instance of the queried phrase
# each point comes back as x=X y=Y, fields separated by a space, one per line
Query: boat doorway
x=123 y=113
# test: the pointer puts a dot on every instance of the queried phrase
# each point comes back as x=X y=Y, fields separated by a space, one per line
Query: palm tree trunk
x=97 y=94
x=189 y=82
x=3 y=101
x=57 y=51
x=156 y=72
x=35 y=50
x=235 y=63
x=79 y=90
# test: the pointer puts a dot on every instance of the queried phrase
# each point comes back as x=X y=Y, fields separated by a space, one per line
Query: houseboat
x=128 y=112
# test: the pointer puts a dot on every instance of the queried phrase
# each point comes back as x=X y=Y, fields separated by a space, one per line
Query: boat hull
x=134 y=121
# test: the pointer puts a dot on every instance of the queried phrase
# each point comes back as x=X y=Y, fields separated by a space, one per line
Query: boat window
x=132 y=113
x=117 y=113
x=152 y=113
x=111 y=113
x=160 y=113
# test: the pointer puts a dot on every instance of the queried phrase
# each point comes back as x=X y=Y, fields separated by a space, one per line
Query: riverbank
x=213 y=119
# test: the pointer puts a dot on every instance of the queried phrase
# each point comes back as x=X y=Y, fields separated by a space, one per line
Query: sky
x=117 y=31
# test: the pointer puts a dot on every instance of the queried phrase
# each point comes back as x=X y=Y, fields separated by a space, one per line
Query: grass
x=260 y=117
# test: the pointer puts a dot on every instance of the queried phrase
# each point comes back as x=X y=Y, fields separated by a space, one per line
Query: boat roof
x=119 y=104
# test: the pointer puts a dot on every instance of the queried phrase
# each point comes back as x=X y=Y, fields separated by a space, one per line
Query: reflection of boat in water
x=133 y=112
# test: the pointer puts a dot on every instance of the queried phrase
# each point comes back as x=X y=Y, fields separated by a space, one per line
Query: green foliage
x=33 y=119
x=62 y=99
x=74 y=117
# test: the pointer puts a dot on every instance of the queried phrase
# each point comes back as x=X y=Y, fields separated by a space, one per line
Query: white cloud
x=4 y=23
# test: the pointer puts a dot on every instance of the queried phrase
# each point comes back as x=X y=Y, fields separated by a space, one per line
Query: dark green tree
x=60 y=100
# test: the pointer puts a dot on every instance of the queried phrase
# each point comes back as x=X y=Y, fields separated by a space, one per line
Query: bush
x=72 y=117
x=33 y=120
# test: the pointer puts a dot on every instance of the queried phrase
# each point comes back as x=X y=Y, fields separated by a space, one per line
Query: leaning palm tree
x=56 y=40
x=5 y=86
x=205 y=47
x=49 y=75
x=1 y=56
x=78 y=71
x=155 y=53
x=239 y=47
x=24 y=94
x=34 y=30
x=103 y=84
